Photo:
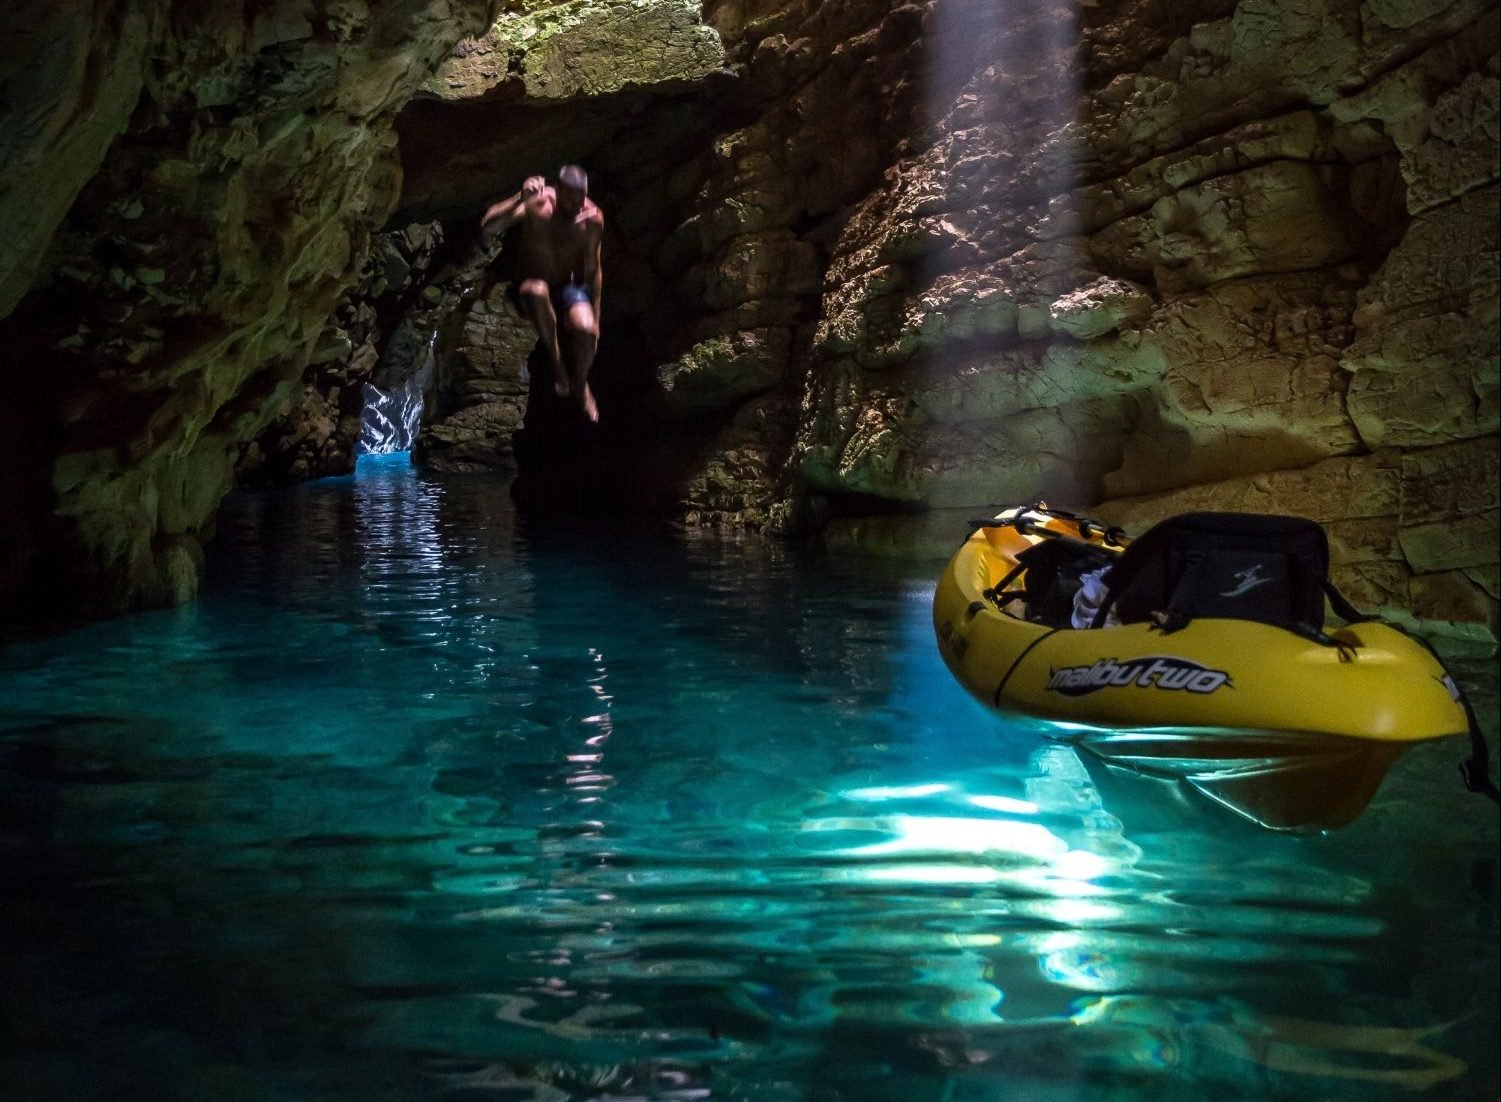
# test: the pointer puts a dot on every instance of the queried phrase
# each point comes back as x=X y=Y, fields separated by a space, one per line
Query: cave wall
x=374 y=336
x=1273 y=286
x=862 y=257
x=187 y=189
x=1136 y=256
x=725 y=169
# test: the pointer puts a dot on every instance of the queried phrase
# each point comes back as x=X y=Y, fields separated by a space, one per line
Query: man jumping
x=560 y=278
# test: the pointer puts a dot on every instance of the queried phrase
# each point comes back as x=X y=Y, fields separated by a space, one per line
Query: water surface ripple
x=420 y=803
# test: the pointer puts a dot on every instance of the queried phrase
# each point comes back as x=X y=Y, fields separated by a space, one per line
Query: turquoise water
x=418 y=802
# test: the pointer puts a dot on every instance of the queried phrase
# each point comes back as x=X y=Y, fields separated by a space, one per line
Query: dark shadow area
x=458 y=157
x=628 y=462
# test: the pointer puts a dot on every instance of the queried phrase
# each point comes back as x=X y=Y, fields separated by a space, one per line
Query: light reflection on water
x=418 y=804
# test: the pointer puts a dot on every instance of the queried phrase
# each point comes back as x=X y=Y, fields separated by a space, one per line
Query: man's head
x=573 y=189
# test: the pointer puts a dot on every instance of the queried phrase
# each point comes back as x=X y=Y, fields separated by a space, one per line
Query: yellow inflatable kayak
x=1196 y=653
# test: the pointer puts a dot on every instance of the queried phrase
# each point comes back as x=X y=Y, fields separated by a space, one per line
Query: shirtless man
x=560 y=274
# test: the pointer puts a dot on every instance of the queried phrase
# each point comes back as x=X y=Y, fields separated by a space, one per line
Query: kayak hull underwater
x=1288 y=731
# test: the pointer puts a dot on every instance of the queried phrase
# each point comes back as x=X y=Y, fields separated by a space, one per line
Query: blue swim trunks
x=564 y=298
x=572 y=294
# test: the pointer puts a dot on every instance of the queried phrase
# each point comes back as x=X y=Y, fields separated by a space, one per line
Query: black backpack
x=1239 y=566
x=1054 y=569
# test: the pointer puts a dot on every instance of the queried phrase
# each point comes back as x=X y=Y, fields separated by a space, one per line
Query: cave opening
x=650 y=158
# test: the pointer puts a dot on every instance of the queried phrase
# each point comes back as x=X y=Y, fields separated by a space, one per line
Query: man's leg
x=538 y=298
x=582 y=344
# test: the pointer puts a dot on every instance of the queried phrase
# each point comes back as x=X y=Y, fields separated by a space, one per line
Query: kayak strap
x=1343 y=608
x=1476 y=771
x=997 y=594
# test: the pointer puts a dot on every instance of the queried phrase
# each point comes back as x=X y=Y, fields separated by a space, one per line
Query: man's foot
x=591 y=411
x=561 y=387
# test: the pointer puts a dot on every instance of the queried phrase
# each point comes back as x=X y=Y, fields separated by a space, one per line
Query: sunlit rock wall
x=186 y=189
x=1271 y=285
x=1132 y=256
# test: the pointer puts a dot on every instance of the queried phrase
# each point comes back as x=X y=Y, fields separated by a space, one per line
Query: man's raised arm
x=503 y=215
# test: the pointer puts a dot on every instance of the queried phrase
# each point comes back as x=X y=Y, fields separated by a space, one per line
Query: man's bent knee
x=532 y=290
x=580 y=318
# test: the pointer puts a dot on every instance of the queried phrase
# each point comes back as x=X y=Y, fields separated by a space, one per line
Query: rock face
x=481 y=387
x=367 y=346
x=721 y=204
x=1193 y=309
x=573 y=51
x=1140 y=262
x=188 y=188
x=861 y=258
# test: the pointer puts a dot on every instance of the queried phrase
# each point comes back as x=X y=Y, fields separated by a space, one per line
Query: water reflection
x=449 y=809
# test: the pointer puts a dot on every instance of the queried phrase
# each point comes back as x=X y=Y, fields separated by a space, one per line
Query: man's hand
x=506 y=213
